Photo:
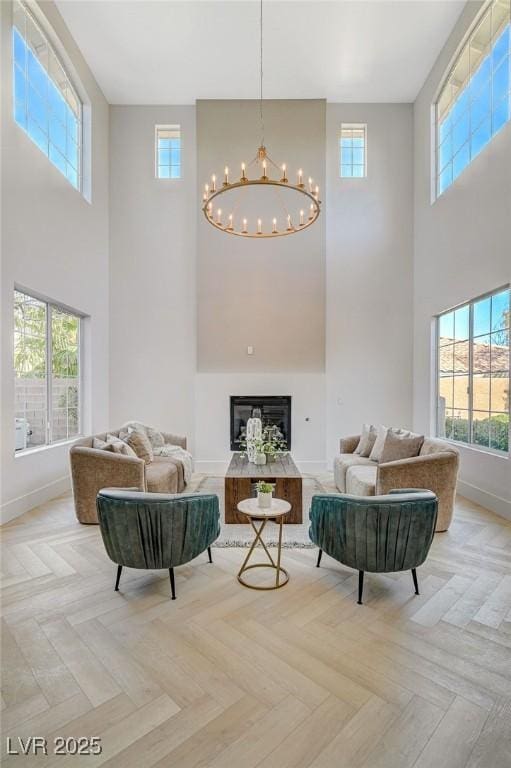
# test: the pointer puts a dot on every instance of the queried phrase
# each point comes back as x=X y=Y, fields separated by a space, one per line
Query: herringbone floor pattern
x=226 y=677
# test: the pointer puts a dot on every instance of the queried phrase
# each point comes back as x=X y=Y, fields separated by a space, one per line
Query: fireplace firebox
x=274 y=410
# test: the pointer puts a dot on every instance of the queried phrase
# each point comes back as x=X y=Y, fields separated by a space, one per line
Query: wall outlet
x=250 y=350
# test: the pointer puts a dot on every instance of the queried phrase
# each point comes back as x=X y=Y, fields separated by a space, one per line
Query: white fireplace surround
x=212 y=426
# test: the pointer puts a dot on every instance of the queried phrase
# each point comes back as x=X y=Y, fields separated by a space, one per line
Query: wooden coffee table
x=241 y=475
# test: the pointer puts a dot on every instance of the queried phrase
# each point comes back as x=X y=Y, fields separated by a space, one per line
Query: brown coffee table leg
x=290 y=489
x=236 y=489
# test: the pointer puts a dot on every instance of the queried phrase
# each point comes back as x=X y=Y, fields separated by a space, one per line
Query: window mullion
x=437 y=377
x=79 y=377
x=437 y=145
x=80 y=151
x=471 y=373
x=49 y=375
x=491 y=97
x=490 y=382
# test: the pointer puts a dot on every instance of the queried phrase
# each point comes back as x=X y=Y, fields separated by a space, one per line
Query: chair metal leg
x=209 y=555
x=172 y=583
x=319 y=558
x=415 y=582
x=360 y=586
x=119 y=569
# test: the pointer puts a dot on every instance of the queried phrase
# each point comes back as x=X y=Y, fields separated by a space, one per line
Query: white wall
x=266 y=293
x=369 y=247
x=53 y=242
x=462 y=249
x=152 y=273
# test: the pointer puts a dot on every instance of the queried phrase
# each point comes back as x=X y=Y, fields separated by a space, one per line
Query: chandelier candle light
x=273 y=226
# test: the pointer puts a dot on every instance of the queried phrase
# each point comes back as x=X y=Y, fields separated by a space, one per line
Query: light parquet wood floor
x=226 y=677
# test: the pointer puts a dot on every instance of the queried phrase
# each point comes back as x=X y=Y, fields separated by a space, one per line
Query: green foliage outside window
x=492 y=432
x=30 y=340
x=29 y=337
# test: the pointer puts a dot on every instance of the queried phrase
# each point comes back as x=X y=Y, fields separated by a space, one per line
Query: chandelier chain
x=261 y=72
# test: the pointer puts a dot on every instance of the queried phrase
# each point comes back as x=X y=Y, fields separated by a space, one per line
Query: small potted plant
x=264 y=492
x=274 y=443
x=260 y=455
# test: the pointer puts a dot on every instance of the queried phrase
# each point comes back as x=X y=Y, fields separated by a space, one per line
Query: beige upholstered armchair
x=434 y=469
x=93 y=469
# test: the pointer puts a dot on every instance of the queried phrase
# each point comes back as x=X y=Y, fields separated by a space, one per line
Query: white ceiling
x=165 y=52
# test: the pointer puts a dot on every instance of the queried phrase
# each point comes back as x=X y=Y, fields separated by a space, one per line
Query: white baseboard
x=485 y=499
x=215 y=467
x=16 y=507
x=311 y=467
x=210 y=467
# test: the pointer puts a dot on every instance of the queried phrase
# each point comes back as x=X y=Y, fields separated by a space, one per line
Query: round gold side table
x=257 y=514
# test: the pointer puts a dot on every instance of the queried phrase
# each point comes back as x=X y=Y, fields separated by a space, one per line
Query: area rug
x=233 y=535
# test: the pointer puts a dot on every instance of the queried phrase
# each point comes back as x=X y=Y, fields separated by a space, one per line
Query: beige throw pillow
x=113 y=439
x=124 y=449
x=102 y=445
x=155 y=437
x=398 y=447
x=139 y=442
x=377 y=449
x=113 y=444
x=367 y=439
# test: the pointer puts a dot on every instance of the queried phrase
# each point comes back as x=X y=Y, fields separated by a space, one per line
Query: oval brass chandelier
x=236 y=222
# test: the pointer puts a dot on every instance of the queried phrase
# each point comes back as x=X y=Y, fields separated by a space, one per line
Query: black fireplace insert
x=274 y=410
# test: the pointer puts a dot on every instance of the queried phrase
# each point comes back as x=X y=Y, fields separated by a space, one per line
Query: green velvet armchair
x=378 y=534
x=156 y=530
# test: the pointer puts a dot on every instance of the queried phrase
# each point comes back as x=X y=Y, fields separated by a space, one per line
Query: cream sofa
x=434 y=469
x=93 y=469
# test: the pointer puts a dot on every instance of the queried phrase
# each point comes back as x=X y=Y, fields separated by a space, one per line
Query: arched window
x=46 y=104
x=474 y=101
